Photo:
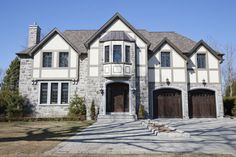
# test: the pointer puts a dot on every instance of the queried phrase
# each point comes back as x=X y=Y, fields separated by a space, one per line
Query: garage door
x=167 y=103
x=202 y=104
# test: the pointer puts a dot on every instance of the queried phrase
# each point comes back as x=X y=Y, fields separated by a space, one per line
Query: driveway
x=207 y=136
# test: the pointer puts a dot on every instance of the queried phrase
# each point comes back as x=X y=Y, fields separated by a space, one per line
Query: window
x=201 y=60
x=64 y=93
x=54 y=93
x=165 y=59
x=117 y=53
x=63 y=59
x=107 y=54
x=47 y=59
x=43 y=93
x=127 y=54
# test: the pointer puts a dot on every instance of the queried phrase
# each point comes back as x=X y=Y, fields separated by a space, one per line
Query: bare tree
x=228 y=69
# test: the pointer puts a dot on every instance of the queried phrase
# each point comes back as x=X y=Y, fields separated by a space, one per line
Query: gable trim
x=203 y=43
x=47 y=38
x=108 y=23
x=167 y=41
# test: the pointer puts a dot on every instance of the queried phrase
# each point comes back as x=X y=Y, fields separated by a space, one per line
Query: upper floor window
x=116 y=53
x=63 y=59
x=107 y=54
x=165 y=59
x=201 y=60
x=47 y=59
x=127 y=54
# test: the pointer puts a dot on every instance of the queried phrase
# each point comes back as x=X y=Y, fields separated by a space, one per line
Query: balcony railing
x=117 y=70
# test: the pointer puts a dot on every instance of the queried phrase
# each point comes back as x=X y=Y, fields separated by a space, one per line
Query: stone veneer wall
x=142 y=94
x=26 y=88
x=218 y=92
x=179 y=86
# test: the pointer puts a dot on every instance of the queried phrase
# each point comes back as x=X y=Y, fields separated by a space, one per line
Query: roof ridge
x=80 y=30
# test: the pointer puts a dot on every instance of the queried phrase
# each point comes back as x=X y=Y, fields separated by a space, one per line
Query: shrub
x=93 y=111
x=77 y=107
x=230 y=106
x=11 y=103
x=141 y=112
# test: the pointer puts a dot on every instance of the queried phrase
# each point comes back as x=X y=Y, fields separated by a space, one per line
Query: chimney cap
x=34 y=25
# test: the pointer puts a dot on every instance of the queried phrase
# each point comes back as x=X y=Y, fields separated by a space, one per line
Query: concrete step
x=116 y=117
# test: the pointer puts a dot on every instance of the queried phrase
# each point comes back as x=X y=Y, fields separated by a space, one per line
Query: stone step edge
x=177 y=133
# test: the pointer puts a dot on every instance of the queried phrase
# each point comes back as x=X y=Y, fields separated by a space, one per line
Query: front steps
x=116 y=117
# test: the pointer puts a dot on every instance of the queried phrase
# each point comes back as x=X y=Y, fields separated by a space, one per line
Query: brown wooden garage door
x=167 y=103
x=202 y=104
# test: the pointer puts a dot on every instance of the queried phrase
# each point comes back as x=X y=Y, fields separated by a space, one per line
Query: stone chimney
x=34 y=34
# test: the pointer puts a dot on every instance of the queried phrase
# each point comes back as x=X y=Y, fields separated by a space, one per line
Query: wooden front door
x=202 y=104
x=117 y=96
x=167 y=103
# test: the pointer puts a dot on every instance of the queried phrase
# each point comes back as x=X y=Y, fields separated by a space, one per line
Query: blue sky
x=196 y=19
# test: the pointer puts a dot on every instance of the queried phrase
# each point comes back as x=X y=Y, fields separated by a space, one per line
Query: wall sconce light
x=34 y=82
x=101 y=91
x=167 y=82
x=75 y=81
x=133 y=90
x=204 y=82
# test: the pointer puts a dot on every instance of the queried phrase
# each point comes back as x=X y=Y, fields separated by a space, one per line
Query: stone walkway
x=207 y=136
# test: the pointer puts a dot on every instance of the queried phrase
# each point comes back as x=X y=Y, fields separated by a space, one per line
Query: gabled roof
x=108 y=23
x=203 y=43
x=167 y=41
x=117 y=36
x=30 y=51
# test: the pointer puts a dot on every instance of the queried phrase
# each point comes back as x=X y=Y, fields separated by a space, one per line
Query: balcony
x=117 y=70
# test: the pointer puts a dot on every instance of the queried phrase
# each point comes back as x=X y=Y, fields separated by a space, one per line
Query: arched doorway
x=202 y=103
x=167 y=103
x=117 y=97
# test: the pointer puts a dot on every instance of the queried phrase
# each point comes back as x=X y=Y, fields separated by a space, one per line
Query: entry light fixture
x=204 y=82
x=167 y=81
x=101 y=91
x=133 y=90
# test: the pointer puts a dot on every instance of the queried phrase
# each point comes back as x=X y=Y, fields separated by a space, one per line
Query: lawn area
x=34 y=138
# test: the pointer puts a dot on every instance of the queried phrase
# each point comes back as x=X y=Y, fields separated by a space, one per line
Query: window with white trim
x=47 y=59
x=127 y=54
x=54 y=93
x=165 y=59
x=107 y=52
x=64 y=93
x=63 y=59
x=117 y=53
x=43 y=93
x=201 y=61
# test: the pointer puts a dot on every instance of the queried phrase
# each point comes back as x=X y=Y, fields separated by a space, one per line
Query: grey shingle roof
x=183 y=43
x=79 y=37
x=116 y=36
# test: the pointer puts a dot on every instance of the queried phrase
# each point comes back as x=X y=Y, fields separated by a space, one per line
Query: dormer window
x=116 y=53
x=63 y=59
x=47 y=59
x=165 y=59
x=107 y=51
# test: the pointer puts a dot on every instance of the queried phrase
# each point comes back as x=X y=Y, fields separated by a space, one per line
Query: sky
x=210 y=20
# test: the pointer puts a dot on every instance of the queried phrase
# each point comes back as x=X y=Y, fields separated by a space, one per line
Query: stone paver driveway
x=207 y=136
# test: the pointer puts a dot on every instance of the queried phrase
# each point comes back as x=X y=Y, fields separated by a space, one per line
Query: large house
x=120 y=68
